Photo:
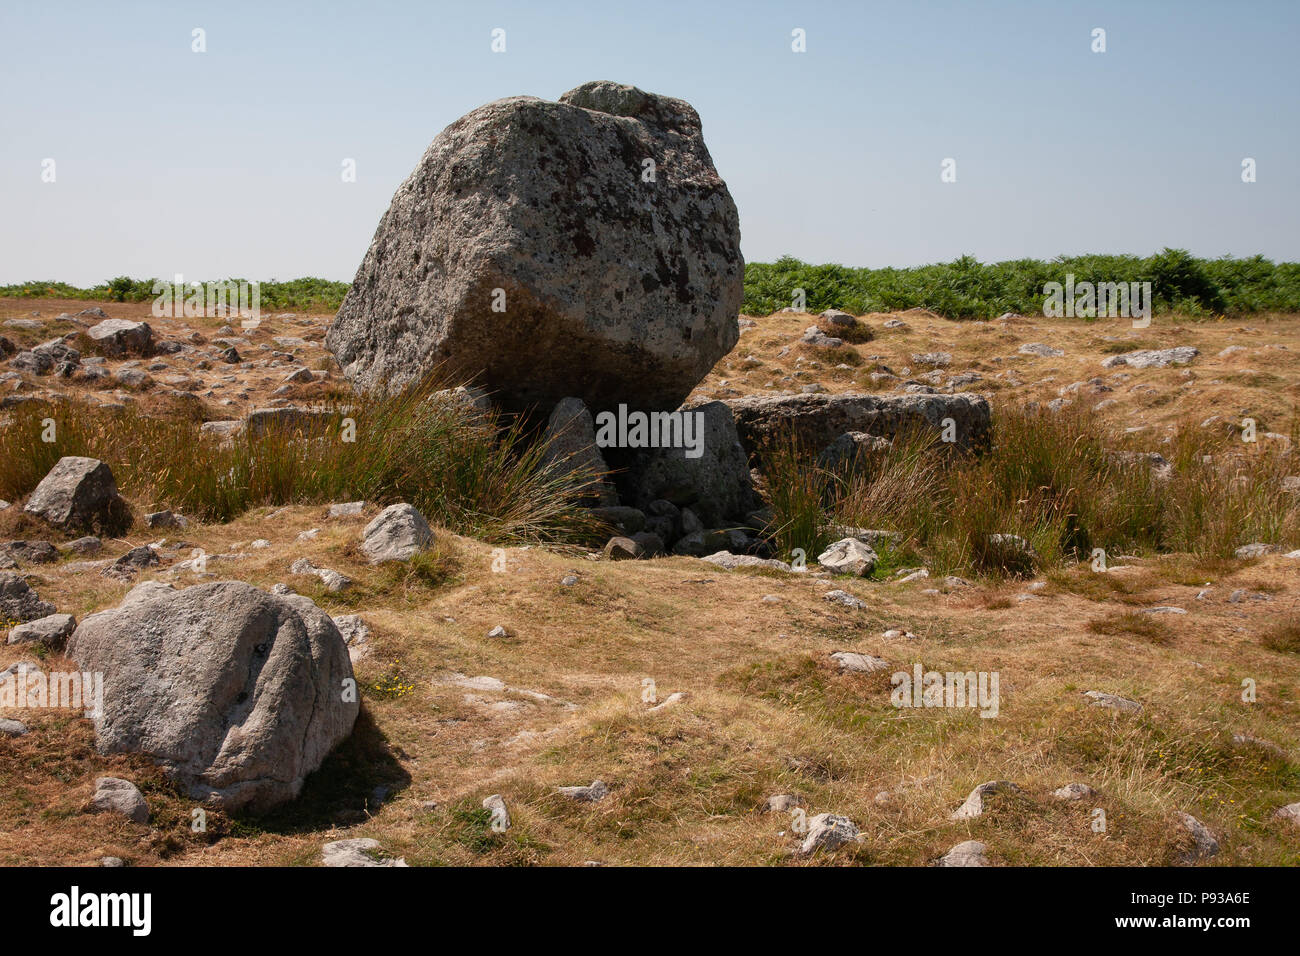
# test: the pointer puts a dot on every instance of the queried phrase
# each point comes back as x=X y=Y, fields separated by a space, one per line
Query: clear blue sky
x=228 y=162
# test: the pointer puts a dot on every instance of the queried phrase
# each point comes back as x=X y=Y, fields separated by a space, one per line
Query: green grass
x=968 y=289
x=962 y=289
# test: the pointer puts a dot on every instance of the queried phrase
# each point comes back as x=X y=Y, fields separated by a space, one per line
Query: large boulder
x=80 y=493
x=583 y=248
x=239 y=694
x=818 y=420
x=715 y=483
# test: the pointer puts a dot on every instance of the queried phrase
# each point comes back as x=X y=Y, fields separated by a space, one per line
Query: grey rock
x=847 y=448
x=782 y=803
x=606 y=298
x=165 y=519
x=1112 y=701
x=362 y=851
x=114 y=795
x=621 y=549
x=625 y=519
x=31 y=552
x=849 y=556
x=936 y=359
x=817 y=420
x=716 y=485
x=974 y=805
x=51 y=631
x=237 y=693
x=725 y=559
x=119 y=337
x=79 y=493
x=1037 y=348
x=828 y=831
x=12 y=728
x=844 y=597
x=852 y=663
x=18 y=602
x=396 y=533
x=570 y=439
x=1257 y=550
x=592 y=793
x=1153 y=358
x=1074 y=791
x=349 y=509
x=967 y=853
x=1204 y=844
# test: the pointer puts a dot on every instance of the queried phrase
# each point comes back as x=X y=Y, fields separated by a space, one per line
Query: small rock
x=359 y=852
x=51 y=631
x=499 y=632
x=114 y=795
x=968 y=853
x=1074 y=791
x=396 y=534
x=974 y=805
x=349 y=509
x=782 y=803
x=845 y=598
x=500 y=814
x=1204 y=846
x=1113 y=701
x=828 y=831
x=849 y=556
x=592 y=793
x=12 y=728
x=858 y=663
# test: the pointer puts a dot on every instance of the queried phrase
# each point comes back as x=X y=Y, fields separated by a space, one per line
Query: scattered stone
x=967 y=853
x=592 y=793
x=1257 y=550
x=396 y=534
x=165 y=519
x=828 y=831
x=725 y=559
x=621 y=549
x=974 y=805
x=79 y=493
x=114 y=795
x=1113 y=702
x=849 y=447
x=31 y=552
x=51 y=631
x=1037 y=348
x=853 y=663
x=1153 y=358
x=348 y=509
x=782 y=803
x=670 y=701
x=1290 y=813
x=496 y=804
x=334 y=581
x=1204 y=843
x=1162 y=609
x=498 y=632
x=844 y=597
x=1074 y=791
x=119 y=337
x=12 y=728
x=18 y=602
x=849 y=556
x=359 y=852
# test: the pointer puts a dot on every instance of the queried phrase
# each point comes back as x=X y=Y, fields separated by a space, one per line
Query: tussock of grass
x=476 y=476
x=1053 y=479
x=1283 y=637
x=1133 y=624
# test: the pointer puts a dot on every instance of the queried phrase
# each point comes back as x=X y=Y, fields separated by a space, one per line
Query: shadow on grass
x=344 y=791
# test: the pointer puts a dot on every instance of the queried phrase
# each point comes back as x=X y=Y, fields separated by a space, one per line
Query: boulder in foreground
x=239 y=694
